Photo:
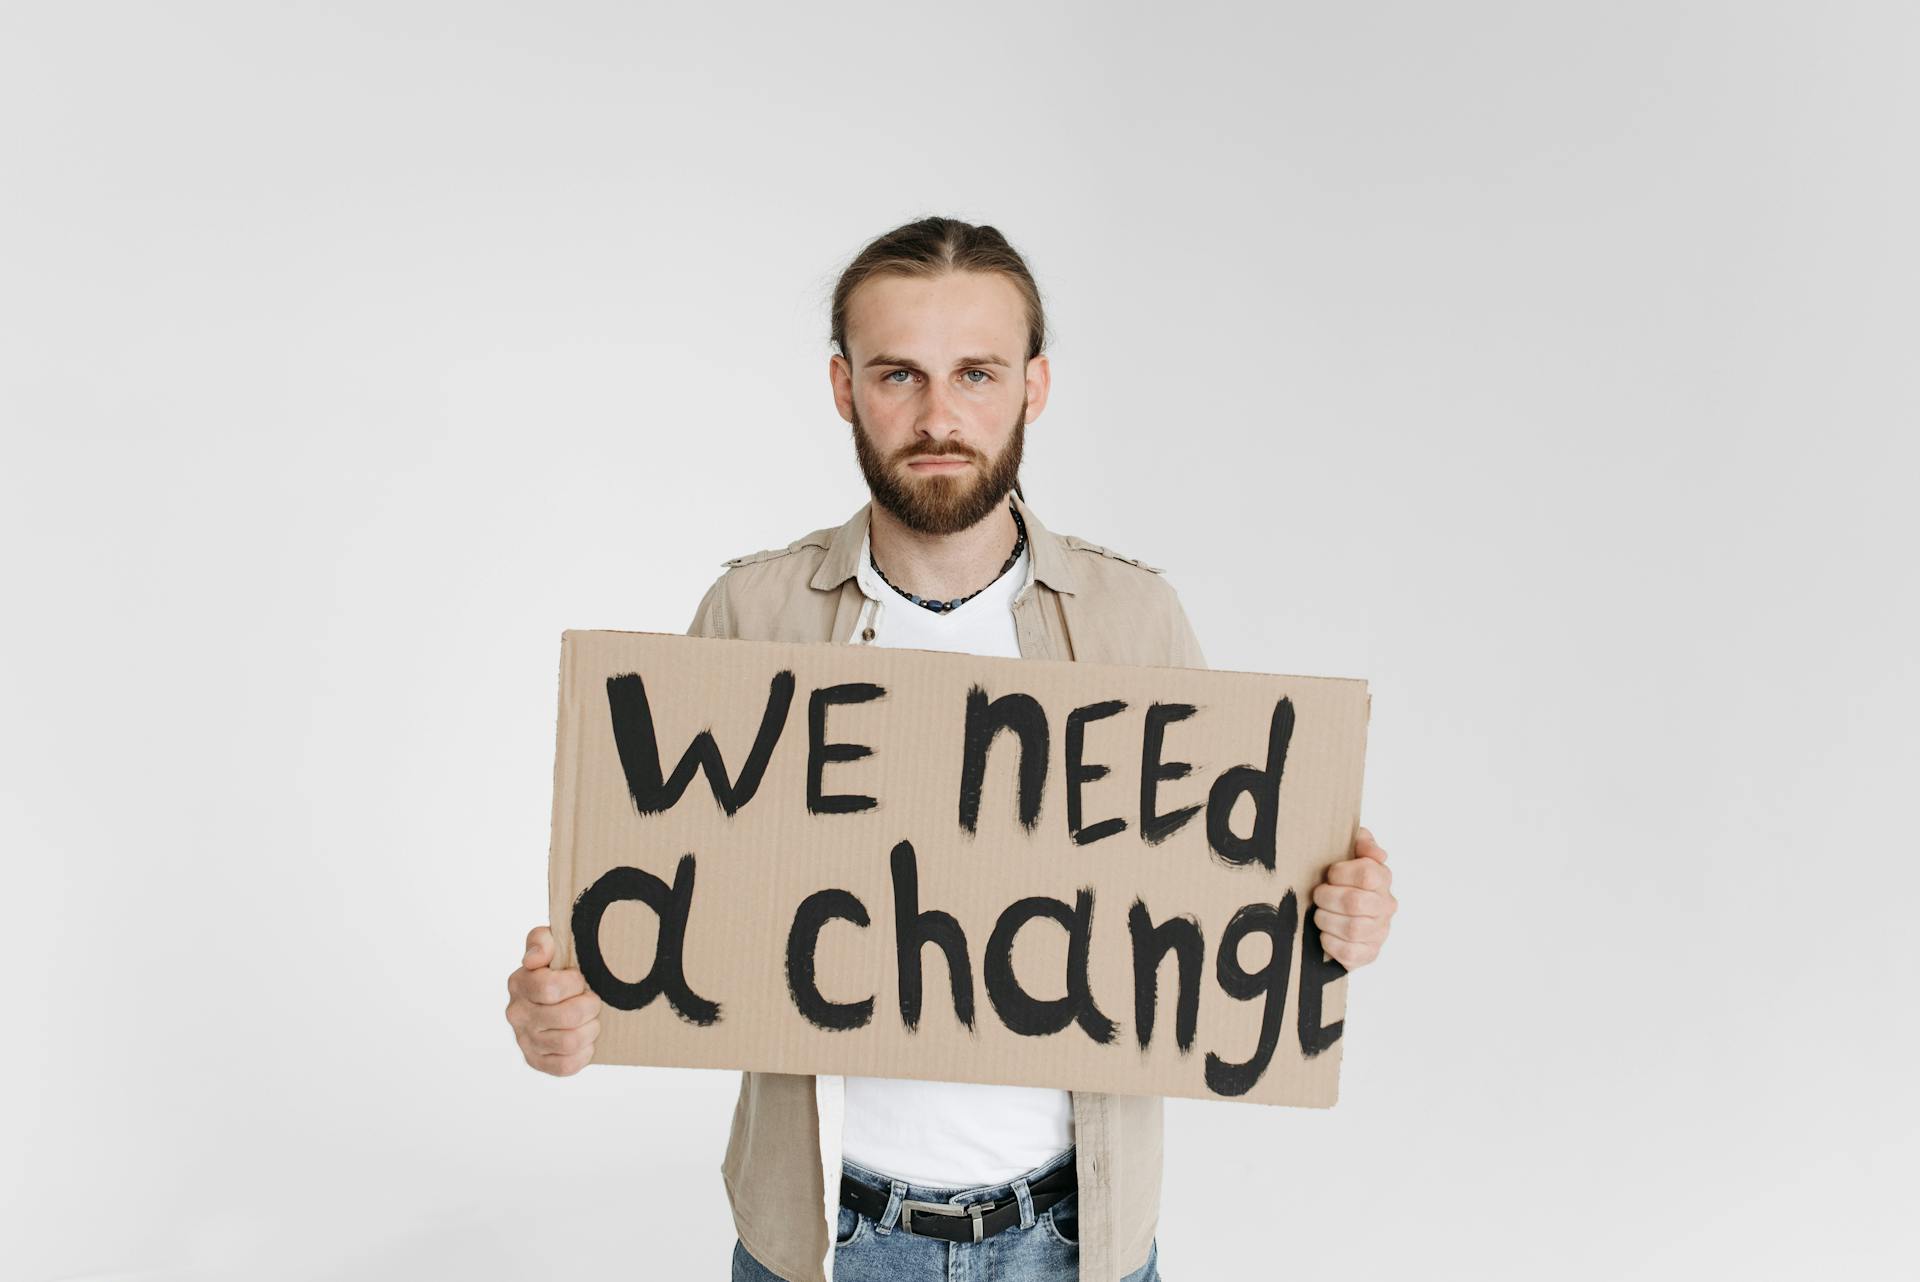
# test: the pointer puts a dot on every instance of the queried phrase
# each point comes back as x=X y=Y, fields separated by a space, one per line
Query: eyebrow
x=901 y=361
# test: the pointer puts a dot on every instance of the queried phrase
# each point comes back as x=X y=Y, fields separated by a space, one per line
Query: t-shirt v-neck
x=983 y=624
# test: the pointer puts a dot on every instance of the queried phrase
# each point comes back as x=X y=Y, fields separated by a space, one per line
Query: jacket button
x=866 y=634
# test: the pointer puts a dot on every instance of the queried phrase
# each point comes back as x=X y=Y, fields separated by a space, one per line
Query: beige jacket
x=1080 y=601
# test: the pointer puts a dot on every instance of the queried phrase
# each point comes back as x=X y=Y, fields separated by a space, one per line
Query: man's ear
x=1039 y=380
x=840 y=376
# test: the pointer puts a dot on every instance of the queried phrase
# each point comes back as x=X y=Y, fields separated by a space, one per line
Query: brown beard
x=942 y=504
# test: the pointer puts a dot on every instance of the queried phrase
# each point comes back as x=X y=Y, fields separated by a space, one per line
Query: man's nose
x=940 y=415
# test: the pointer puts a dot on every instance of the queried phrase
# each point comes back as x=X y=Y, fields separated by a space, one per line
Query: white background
x=1550 y=366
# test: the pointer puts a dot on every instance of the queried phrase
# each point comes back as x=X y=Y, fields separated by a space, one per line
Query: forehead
x=949 y=314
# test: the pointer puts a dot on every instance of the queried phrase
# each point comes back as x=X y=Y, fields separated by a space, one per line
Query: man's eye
x=889 y=377
x=984 y=376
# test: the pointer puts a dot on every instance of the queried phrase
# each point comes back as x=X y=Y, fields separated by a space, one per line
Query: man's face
x=938 y=391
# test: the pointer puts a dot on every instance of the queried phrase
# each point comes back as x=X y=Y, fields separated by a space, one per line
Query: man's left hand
x=1355 y=904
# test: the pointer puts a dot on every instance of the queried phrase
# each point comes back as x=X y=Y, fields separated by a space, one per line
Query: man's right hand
x=555 y=1016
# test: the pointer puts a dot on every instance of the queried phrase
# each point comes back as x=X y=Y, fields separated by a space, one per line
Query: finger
x=1348 y=954
x=1368 y=874
x=1353 y=930
x=551 y=986
x=1351 y=900
x=565 y=1041
x=544 y=987
x=539 y=948
x=574 y=1012
x=528 y=1016
x=1365 y=847
x=561 y=1065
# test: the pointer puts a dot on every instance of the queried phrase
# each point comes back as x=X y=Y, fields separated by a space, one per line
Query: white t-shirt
x=946 y=1133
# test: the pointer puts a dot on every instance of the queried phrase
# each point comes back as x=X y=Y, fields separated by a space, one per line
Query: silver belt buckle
x=978 y=1209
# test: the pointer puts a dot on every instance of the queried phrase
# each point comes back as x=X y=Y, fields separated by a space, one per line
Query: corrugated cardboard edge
x=566 y=805
x=1359 y=807
x=1036 y=662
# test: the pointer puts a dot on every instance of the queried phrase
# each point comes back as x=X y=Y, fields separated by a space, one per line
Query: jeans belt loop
x=1024 y=1196
x=896 y=1199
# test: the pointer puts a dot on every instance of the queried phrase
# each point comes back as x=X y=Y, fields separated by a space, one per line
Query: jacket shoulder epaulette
x=749 y=558
x=768 y=554
x=1075 y=541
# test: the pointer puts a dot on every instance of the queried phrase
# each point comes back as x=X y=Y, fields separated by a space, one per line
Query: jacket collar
x=842 y=562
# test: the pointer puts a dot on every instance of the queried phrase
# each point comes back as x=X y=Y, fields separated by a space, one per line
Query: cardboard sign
x=818 y=858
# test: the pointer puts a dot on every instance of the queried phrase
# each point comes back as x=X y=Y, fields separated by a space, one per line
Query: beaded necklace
x=942 y=607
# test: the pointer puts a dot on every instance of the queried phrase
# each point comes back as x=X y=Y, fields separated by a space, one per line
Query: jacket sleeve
x=1186 y=645
x=713 y=618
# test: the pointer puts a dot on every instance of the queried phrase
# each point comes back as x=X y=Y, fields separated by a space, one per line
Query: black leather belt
x=952 y=1223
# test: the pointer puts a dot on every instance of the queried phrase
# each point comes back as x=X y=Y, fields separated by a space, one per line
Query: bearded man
x=939 y=366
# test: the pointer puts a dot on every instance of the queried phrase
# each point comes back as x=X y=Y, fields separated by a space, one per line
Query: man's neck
x=942 y=566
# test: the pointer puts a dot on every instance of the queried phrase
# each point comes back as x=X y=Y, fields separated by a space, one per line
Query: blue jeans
x=1040 y=1248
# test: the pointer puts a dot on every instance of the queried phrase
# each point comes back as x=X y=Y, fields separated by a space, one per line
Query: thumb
x=1365 y=847
x=539 y=948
